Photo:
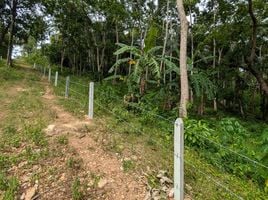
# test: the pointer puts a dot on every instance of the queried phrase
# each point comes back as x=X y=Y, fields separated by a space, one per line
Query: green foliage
x=150 y=40
x=202 y=84
x=62 y=140
x=263 y=155
x=10 y=187
x=232 y=126
x=8 y=74
x=232 y=132
x=128 y=165
x=196 y=133
x=36 y=135
x=74 y=163
x=38 y=58
x=76 y=190
x=144 y=61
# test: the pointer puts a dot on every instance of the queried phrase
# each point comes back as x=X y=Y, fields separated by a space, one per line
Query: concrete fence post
x=91 y=100
x=49 y=74
x=34 y=66
x=56 y=79
x=178 y=160
x=67 y=87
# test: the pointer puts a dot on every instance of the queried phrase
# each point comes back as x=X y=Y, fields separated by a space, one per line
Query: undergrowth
x=214 y=145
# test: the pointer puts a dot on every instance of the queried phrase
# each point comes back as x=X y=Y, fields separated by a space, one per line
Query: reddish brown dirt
x=114 y=184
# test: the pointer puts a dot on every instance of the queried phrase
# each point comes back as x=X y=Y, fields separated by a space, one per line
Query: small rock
x=164 y=188
x=30 y=193
x=135 y=158
x=50 y=129
x=22 y=164
x=22 y=197
x=81 y=135
x=171 y=193
x=25 y=178
x=164 y=180
x=187 y=197
x=102 y=183
x=63 y=177
x=188 y=187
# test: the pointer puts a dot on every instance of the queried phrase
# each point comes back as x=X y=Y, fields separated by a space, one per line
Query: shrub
x=196 y=133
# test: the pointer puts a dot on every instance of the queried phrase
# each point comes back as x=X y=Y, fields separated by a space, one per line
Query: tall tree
x=13 y=5
x=184 y=97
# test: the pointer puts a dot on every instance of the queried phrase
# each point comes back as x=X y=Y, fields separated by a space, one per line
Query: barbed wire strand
x=149 y=112
x=86 y=86
x=82 y=95
x=214 y=180
x=234 y=152
x=129 y=125
x=216 y=143
x=143 y=109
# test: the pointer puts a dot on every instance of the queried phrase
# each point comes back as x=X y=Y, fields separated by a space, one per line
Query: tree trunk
x=132 y=43
x=3 y=33
x=191 y=95
x=165 y=42
x=102 y=55
x=62 y=59
x=250 y=61
x=183 y=61
x=215 y=106
x=117 y=56
x=142 y=85
x=201 y=107
x=14 y=4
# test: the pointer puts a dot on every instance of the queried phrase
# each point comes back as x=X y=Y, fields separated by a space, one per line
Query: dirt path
x=113 y=183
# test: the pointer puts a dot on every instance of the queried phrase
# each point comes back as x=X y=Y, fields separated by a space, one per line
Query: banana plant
x=145 y=65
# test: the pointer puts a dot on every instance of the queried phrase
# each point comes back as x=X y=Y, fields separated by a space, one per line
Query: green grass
x=23 y=116
x=62 y=139
x=134 y=132
x=128 y=132
x=77 y=190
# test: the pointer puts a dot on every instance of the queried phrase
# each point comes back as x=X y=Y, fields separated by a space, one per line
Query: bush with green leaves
x=232 y=132
x=263 y=155
x=196 y=133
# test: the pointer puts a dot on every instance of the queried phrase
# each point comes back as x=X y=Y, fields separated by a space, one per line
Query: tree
x=251 y=58
x=22 y=15
x=184 y=97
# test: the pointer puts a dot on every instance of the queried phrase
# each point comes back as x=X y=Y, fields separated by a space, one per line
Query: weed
x=77 y=193
x=74 y=163
x=128 y=165
x=11 y=186
x=96 y=179
x=62 y=139
x=11 y=137
x=4 y=162
x=35 y=134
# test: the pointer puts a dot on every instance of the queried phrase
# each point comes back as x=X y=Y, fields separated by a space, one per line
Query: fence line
x=78 y=93
x=216 y=143
x=129 y=125
x=210 y=140
x=79 y=84
x=140 y=108
x=207 y=176
x=234 y=152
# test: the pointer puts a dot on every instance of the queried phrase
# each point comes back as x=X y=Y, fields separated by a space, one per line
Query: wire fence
x=80 y=90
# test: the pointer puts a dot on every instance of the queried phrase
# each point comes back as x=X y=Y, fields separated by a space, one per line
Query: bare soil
x=113 y=183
